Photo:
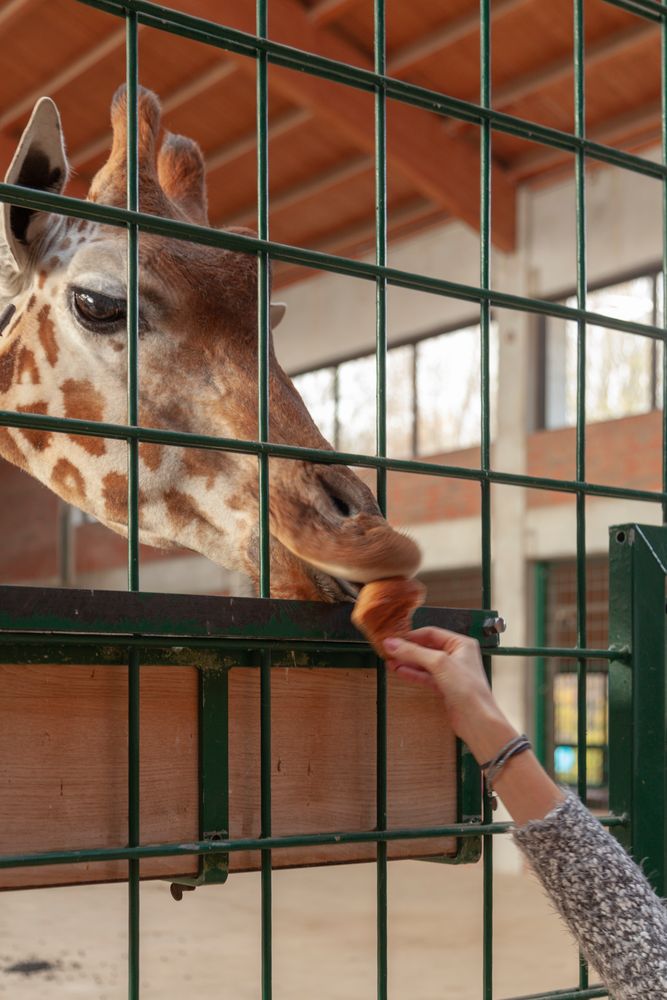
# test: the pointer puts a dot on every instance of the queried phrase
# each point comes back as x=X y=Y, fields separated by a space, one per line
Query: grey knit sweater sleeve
x=604 y=897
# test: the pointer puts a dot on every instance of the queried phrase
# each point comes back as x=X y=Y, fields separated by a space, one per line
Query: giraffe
x=63 y=352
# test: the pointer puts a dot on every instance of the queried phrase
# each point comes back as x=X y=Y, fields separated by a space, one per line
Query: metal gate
x=52 y=626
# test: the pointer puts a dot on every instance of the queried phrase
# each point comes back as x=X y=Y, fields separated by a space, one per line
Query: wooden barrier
x=64 y=752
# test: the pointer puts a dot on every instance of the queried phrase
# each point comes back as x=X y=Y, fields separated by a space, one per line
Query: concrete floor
x=208 y=945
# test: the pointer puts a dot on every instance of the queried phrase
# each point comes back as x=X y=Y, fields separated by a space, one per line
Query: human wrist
x=486 y=732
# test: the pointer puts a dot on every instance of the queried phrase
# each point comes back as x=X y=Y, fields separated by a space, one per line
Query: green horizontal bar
x=220 y=36
x=650 y=9
x=111 y=215
x=573 y=994
x=560 y=652
x=334 y=653
x=34 y=421
x=262 y=843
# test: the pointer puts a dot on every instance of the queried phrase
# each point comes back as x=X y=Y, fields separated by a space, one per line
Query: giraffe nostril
x=341 y=506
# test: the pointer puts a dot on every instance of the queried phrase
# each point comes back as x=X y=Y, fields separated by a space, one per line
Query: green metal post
x=485 y=432
x=580 y=202
x=263 y=319
x=638 y=693
x=541 y=583
x=132 y=170
x=380 y=47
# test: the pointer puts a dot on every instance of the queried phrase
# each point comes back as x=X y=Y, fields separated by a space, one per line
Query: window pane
x=356 y=406
x=619 y=366
x=400 y=401
x=317 y=391
x=448 y=389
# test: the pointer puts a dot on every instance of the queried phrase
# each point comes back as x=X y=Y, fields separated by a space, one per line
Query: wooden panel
x=63 y=777
x=63 y=747
x=323 y=746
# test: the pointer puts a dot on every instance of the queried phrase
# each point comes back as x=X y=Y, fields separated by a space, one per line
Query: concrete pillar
x=516 y=335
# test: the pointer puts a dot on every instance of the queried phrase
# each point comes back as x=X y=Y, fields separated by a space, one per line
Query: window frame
x=653 y=272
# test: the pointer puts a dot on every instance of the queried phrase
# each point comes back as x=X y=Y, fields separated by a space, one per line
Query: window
x=623 y=370
x=433 y=396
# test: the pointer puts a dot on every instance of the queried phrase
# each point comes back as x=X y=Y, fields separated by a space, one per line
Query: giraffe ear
x=39 y=162
x=278 y=310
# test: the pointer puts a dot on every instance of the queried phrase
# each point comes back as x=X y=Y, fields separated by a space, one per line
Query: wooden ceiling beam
x=442 y=168
x=598 y=53
x=452 y=32
x=360 y=236
x=327 y=11
x=114 y=42
x=279 y=126
x=636 y=122
x=14 y=10
x=174 y=99
x=295 y=194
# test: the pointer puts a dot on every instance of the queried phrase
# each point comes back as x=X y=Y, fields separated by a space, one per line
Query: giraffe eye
x=98 y=312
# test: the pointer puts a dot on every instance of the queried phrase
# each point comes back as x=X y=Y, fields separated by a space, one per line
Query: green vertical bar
x=380 y=48
x=263 y=314
x=541 y=582
x=132 y=169
x=485 y=434
x=663 y=42
x=580 y=194
x=580 y=125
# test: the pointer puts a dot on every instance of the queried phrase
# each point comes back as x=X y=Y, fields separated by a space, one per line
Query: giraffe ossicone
x=63 y=353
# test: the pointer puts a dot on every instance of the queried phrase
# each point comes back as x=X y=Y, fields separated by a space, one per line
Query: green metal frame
x=638 y=693
x=136 y=635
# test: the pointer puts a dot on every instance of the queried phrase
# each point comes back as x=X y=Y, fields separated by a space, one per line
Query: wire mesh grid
x=265 y=52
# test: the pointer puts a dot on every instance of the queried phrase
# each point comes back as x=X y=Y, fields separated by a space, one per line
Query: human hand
x=451 y=664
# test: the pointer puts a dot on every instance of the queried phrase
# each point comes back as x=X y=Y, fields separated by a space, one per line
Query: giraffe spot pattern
x=10 y=450
x=82 y=401
x=198 y=462
x=7 y=366
x=46 y=332
x=114 y=493
x=27 y=370
x=182 y=510
x=151 y=455
x=40 y=440
x=68 y=481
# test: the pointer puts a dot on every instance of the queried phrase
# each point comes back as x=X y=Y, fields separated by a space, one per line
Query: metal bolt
x=493 y=626
x=177 y=889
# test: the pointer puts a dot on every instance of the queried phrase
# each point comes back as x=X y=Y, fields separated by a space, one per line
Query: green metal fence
x=137 y=627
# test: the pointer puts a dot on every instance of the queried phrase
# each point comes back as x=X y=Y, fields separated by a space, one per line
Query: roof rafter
x=640 y=127
x=444 y=168
x=318 y=186
x=181 y=95
x=452 y=32
x=327 y=11
x=112 y=43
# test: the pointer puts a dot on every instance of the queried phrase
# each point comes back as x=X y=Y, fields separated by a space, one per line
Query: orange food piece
x=385 y=608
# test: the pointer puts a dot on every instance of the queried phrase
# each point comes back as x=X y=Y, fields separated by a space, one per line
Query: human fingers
x=414 y=674
x=439 y=638
x=412 y=654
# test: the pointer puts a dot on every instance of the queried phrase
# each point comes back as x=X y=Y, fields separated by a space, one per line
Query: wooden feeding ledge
x=64 y=738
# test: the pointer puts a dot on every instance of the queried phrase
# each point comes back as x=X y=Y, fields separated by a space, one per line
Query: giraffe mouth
x=348 y=587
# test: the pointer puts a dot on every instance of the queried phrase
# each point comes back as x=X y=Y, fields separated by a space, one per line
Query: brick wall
x=621 y=452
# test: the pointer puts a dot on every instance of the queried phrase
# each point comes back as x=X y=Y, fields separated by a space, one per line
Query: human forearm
x=526 y=790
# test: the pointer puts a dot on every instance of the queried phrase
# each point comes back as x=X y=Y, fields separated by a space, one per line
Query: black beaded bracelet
x=492 y=768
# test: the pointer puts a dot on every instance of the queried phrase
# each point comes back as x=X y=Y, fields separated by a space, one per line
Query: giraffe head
x=63 y=353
